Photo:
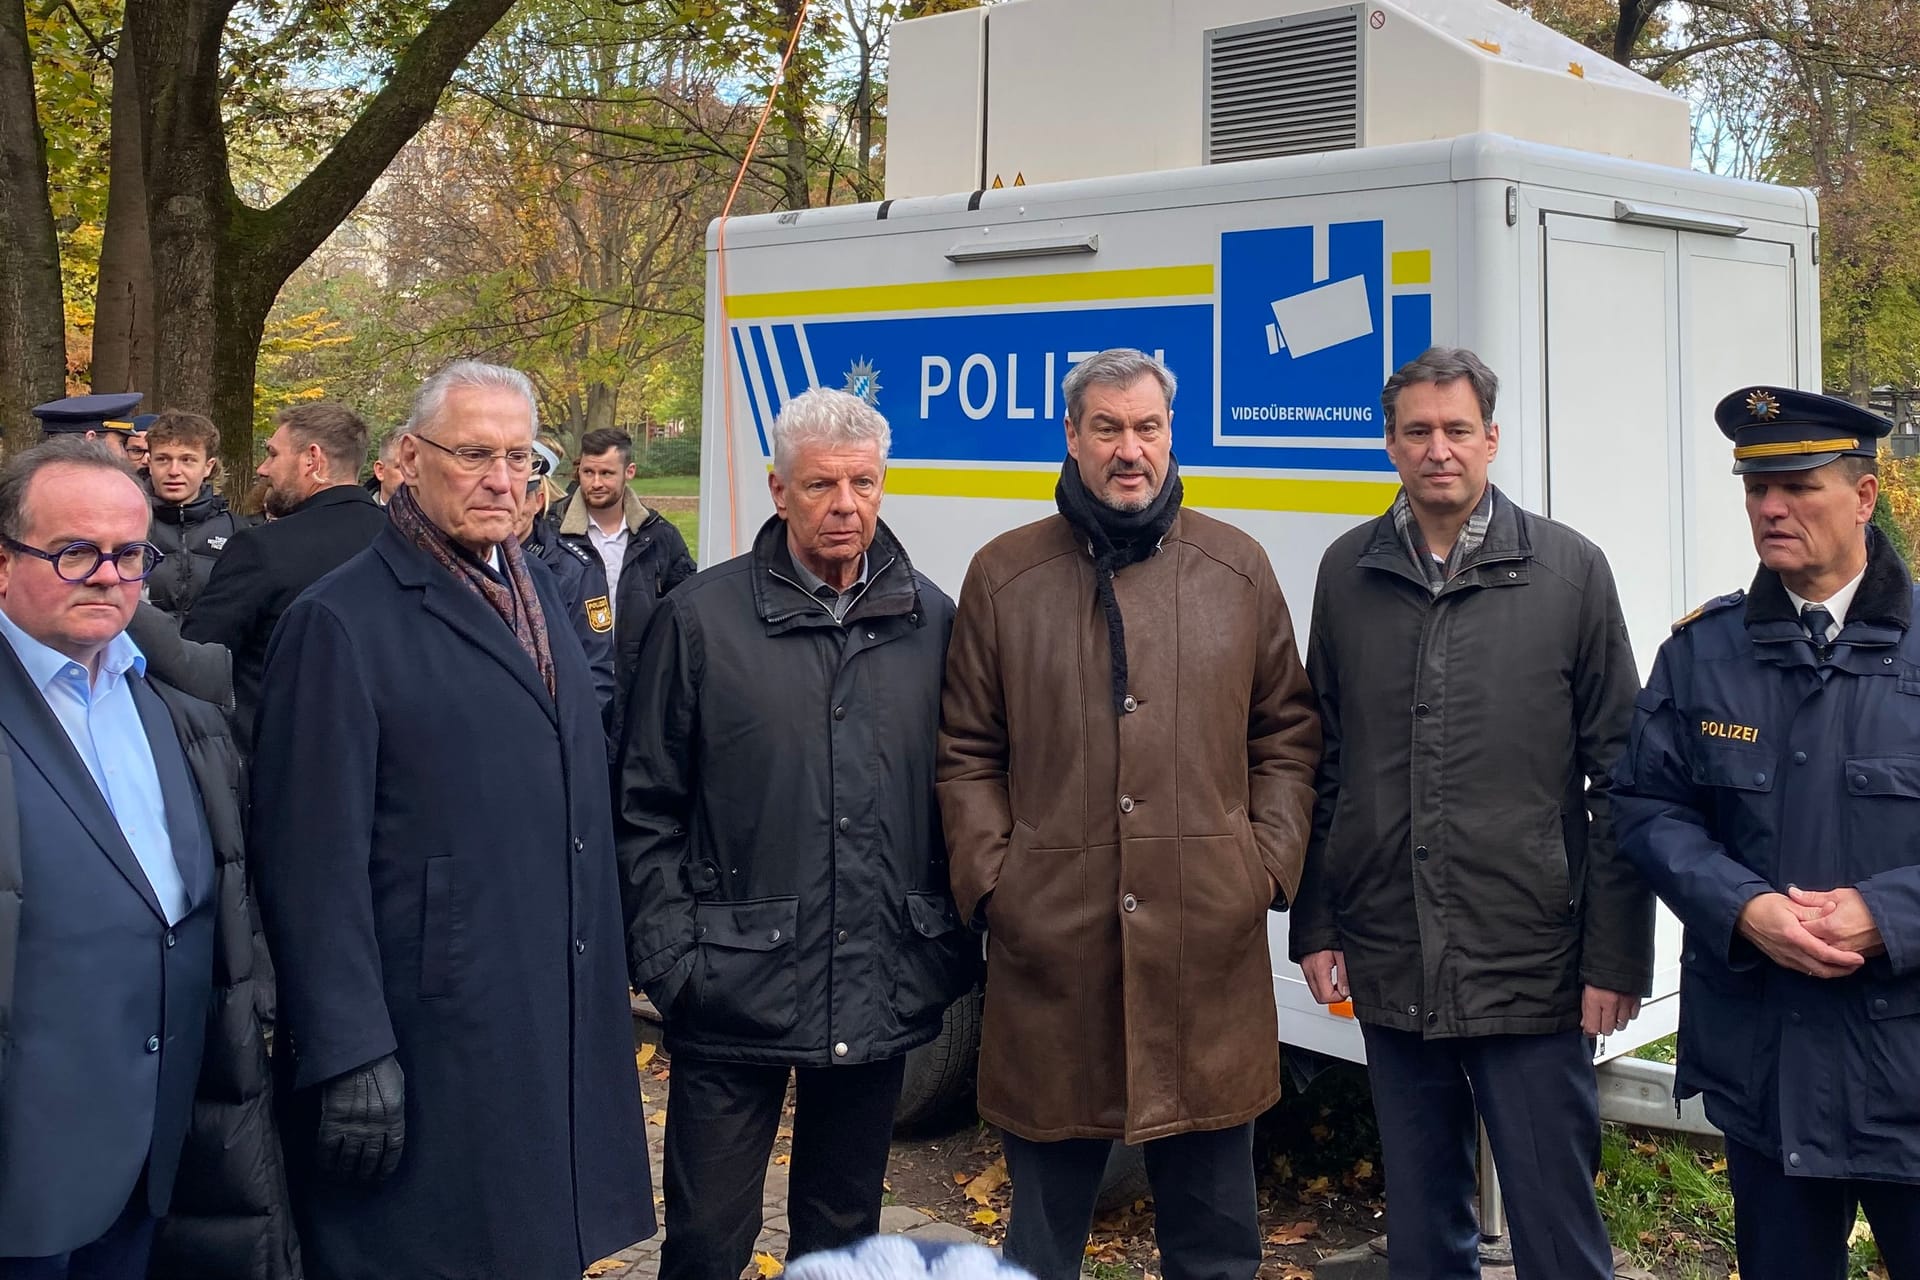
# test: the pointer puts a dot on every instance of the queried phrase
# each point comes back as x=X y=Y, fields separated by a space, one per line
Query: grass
x=688 y=523
x=1661 y=1050
x=667 y=486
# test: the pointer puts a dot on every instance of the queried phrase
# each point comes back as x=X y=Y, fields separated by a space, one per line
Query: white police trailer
x=1332 y=191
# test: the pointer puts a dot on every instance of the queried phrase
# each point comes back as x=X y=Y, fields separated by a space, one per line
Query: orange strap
x=720 y=281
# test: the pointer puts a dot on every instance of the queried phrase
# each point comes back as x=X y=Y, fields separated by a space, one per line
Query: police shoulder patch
x=600 y=614
x=1712 y=606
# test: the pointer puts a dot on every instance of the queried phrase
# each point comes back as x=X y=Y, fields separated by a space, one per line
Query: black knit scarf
x=1116 y=539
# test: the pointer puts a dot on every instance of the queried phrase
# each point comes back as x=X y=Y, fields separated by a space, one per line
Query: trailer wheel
x=1125 y=1180
x=940 y=1075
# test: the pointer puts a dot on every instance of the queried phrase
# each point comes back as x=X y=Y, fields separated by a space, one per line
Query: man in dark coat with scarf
x=1771 y=793
x=784 y=874
x=435 y=865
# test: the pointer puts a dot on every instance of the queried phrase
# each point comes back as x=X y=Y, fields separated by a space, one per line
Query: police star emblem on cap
x=1762 y=405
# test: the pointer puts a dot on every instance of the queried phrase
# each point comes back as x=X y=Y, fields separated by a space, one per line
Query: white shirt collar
x=1836 y=604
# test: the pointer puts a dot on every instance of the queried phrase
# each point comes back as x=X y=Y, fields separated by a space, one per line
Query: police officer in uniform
x=1771 y=794
x=101 y=418
x=583 y=579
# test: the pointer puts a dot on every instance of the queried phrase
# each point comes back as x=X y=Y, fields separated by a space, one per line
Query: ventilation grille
x=1284 y=87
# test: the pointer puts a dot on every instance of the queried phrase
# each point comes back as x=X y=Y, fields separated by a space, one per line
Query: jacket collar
x=1507 y=540
x=335 y=495
x=781 y=602
x=462 y=610
x=1882 y=608
x=574 y=520
x=206 y=505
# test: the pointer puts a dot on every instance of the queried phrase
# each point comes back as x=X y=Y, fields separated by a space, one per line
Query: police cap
x=1785 y=429
x=78 y=414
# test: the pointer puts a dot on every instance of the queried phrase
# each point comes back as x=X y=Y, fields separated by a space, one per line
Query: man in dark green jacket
x=1462 y=886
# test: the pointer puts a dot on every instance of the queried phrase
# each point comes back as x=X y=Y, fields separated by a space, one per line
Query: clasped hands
x=1822 y=933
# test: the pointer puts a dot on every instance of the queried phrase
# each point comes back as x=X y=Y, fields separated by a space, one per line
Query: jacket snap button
x=1759 y=779
x=170 y=938
x=839 y=713
x=1432 y=1018
x=1859 y=780
x=1513 y=573
x=1126 y=804
x=1799 y=757
x=870 y=635
x=1886 y=662
x=1794 y=1017
x=1420 y=853
x=1130 y=704
x=840 y=1050
x=841 y=937
x=1129 y=902
x=1421 y=708
x=578 y=844
x=580 y=946
x=1880 y=1005
x=1413 y=1009
x=1793 y=1158
x=153 y=1044
x=846 y=824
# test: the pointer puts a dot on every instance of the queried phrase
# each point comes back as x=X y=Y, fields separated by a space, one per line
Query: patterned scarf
x=515 y=600
x=1472 y=534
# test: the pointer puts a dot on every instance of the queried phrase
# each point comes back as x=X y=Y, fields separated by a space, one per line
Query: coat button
x=1130 y=704
x=1421 y=708
x=1859 y=781
x=840 y=1050
x=839 y=713
x=841 y=937
x=1414 y=1009
x=1793 y=1158
x=870 y=635
x=1880 y=1004
x=153 y=1044
x=1432 y=1018
x=1759 y=779
x=1794 y=1017
x=170 y=938
x=1126 y=804
x=579 y=946
x=1799 y=757
x=846 y=824
x=578 y=844
x=1129 y=902
x=773 y=935
x=700 y=931
x=1420 y=853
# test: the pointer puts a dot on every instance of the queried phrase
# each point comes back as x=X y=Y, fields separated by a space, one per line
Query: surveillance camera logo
x=1324 y=316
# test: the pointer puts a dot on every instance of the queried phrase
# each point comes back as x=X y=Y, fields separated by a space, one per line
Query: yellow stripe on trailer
x=1242 y=493
x=1139 y=284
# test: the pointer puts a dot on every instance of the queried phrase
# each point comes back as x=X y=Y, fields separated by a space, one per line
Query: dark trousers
x=721 y=1121
x=1796 y=1228
x=1205 y=1214
x=1540 y=1102
x=120 y=1254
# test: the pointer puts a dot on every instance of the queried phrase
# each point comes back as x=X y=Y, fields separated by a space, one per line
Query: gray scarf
x=1471 y=536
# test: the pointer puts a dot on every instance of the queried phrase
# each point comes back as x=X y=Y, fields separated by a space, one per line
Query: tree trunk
x=219 y=264
x=123 y=337
x=33 y=333
x=601 y=402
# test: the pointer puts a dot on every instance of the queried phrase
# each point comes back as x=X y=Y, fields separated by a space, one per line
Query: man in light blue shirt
x=106 y=882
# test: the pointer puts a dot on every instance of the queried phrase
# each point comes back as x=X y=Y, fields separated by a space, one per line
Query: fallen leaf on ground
x=643 y=1055
x=659 y=1117
x=783 y=1158
x=981 y=1186
x=1363 y=1169
x=1293 y=1233
x=985 y=1217
x=1318 y=1187
x=604 y=1267
x=765 y=1264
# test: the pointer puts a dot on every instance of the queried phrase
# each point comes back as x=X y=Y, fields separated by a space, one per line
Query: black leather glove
x=363 y=1123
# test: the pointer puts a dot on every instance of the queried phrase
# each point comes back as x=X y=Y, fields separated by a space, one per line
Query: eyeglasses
x=475 y=461
x=138 y=450
x=78 y=561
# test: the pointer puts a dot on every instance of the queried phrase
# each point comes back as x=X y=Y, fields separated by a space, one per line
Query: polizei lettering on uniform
x=1731 y=732
x=980 y=383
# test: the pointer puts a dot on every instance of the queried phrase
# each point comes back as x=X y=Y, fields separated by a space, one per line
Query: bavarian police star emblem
x=1762 y=405
x=863 y=380
x=600 y=614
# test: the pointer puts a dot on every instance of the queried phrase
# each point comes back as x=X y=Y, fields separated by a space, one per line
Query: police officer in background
x=1771 y=794
x=583 y=579
x=103 y=418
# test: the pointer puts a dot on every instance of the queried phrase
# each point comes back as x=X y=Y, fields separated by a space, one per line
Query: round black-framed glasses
x=78 y=561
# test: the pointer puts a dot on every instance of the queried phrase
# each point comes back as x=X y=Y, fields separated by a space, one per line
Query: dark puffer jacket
x=230 y=1218
x=782 y=865
x=192 y=535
